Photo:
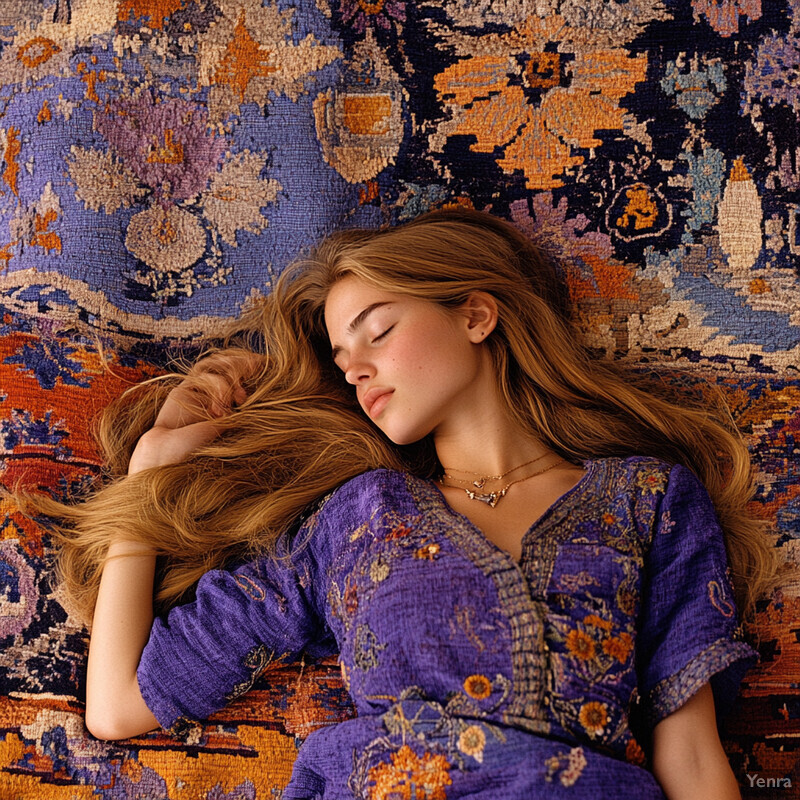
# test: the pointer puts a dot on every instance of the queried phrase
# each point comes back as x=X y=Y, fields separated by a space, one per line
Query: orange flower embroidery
x=428 y=552
x=478 y=687
x=410 y=777
x=594 y=717
x=619 y=647
x=634 y=753
x=598 y=622
x=398 y=533
x=580 y=644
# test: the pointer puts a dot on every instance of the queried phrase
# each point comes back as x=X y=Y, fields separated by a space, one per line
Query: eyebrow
x=358 y=320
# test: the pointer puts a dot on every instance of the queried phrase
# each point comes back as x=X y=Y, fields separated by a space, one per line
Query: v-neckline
x=588 y=466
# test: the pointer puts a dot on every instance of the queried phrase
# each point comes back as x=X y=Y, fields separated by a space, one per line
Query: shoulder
x=368 y=487
x=642 y=475
x=323 y=532
x=646 y=473
x=647 y=477
x=665 y=498
x=361 y=497
x=645 y=488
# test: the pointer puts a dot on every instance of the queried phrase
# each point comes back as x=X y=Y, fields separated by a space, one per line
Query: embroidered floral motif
x=399 y=532
x=472 y=741
x=427 y=551
x=580 y=644
x=256 y=661
x=451 y=726
x=619 y=647
x=568 y=766
x=594 y=645
x=593 y=619
x=410 y=777
x=478 y=687
x=379 y=570
x=366 y=648
x=634 y=753
x=652 y=481
x=627 y=598
x=594 y=717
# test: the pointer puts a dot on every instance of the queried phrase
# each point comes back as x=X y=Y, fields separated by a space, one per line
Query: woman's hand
x=187 y=420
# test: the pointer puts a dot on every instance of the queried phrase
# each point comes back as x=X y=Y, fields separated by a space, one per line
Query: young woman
x=404 y=455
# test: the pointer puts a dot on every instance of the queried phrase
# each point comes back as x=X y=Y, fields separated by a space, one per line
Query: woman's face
x=414 y=364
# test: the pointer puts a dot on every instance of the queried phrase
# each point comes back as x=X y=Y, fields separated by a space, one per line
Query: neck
x=484 y=440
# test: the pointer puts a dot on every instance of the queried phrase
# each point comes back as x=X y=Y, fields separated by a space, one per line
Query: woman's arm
x=123 y=614
x=688 y=759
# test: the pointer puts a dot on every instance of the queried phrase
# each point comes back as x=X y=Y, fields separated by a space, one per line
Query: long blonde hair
x=301 y=433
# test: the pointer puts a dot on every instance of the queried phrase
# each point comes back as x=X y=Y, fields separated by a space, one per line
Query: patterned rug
x=163 y=160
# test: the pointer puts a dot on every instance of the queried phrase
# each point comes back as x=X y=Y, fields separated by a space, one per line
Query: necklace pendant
x=479 y=484
x=490 y=499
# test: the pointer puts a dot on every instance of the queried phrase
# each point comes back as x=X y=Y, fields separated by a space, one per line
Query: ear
x=480 y=314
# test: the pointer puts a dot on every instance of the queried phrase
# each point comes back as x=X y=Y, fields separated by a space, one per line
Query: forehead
x=347 y=298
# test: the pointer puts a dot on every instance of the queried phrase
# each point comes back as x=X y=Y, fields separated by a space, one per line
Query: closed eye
x=378 y=338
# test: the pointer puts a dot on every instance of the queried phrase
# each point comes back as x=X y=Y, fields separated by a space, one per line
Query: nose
x=358 y=369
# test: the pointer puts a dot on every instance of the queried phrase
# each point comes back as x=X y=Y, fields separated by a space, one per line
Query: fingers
x=210 y=389
x=187 y=419
x=197 y=399
x=162 y=445
x=235 y=365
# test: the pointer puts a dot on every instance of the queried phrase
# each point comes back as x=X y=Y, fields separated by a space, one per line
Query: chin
x=403 y=437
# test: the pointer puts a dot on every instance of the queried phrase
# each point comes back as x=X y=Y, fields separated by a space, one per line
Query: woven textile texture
x=163 y=160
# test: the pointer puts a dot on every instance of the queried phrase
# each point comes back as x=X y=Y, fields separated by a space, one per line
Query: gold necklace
x=493 y=498
x=481 y=481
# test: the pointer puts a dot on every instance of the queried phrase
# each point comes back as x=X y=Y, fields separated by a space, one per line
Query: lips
x=372 y=399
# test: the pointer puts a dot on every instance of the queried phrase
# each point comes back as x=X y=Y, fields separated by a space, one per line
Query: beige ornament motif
x=739 y=220
x=361 y=129
x=236 y=195
x=166 y=238
x=248 y=53
x=103 y=181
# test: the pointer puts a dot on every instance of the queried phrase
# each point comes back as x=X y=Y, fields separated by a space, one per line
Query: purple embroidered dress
x=473 y=675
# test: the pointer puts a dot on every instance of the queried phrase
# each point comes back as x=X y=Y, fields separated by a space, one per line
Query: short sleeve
x=204 y=654
x=688 y=631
